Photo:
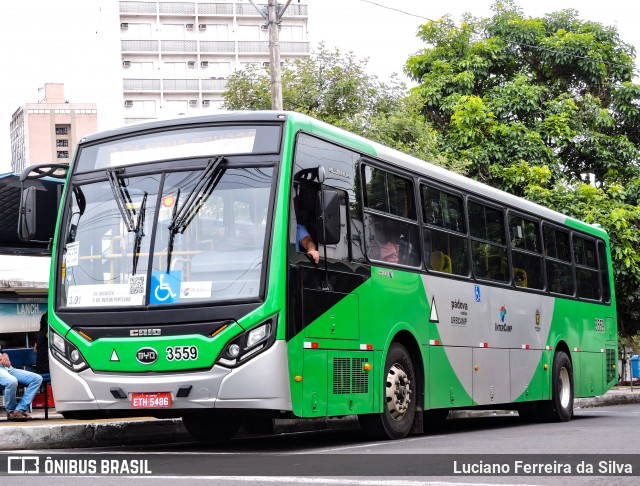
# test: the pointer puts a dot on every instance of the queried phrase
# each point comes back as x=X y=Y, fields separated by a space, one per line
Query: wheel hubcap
x=565 y=387
x=398 y=392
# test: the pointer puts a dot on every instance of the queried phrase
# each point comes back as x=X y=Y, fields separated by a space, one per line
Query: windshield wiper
x=182 y=217
x=122 y=197
x=139 y=232
x=128 y=211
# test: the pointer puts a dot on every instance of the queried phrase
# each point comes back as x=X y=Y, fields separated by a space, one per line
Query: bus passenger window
x=388 y=205
x=488 y=243
x=558 y=261
x=587 y=275
x=445 y=232
x=526 y=252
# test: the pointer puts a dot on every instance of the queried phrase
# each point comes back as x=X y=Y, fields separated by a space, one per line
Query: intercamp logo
x=503 y=313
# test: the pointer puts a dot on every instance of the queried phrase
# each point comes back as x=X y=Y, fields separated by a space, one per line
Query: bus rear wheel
x=399 y=393
x=214 y=430
x=560 y=407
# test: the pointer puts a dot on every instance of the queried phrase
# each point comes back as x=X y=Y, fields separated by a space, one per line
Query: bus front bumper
x=261 y=383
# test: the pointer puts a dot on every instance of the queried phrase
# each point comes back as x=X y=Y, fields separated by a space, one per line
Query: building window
x=63 y=154
x=62 y=143
x=62 y=130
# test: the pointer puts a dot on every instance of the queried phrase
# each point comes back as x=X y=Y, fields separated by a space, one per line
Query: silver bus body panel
x=261 y=383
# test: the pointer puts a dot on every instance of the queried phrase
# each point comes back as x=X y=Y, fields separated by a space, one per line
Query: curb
x=93 y=434
x=120 y=432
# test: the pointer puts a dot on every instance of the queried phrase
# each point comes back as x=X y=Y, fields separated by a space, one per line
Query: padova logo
x=147 y=356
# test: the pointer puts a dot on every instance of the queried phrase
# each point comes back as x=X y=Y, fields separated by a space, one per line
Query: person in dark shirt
x=41 y=346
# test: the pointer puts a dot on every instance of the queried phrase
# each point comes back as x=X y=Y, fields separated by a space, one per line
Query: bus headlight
x=66 y=353
x=248 y=344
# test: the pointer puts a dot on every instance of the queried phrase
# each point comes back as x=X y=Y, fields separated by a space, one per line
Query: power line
x=521 y=44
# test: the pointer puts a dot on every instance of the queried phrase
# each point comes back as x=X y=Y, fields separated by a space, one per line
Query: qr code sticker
x=136 y=284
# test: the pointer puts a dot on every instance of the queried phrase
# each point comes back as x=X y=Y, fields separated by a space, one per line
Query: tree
x=547 y=109
x=336 y=88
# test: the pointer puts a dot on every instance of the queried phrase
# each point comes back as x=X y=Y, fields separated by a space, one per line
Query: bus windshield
x=175 y=237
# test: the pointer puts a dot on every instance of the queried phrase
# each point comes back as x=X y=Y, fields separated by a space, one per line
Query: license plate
x=151 y=400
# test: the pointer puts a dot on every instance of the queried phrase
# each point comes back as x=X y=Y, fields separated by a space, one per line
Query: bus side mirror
x=27 y=215
x=328 y=205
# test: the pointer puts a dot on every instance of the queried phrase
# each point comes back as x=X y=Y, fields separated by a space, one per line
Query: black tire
x=560 y=407
x=214 y=430
x=400 y=382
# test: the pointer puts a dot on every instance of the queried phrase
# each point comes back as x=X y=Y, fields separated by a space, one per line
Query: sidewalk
x=58 y=433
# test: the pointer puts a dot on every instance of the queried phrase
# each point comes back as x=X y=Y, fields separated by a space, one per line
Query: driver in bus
x=304 y=241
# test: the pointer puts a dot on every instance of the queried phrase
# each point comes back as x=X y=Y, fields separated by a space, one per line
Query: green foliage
x=545 y=108
x=336 y=88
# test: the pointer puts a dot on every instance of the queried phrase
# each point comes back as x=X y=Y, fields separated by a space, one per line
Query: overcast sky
x=63 y=41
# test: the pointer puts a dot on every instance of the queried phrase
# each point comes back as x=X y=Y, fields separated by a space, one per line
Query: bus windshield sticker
x=72 y=255
x=195 y=290
x=105 y=295
x=165 y=287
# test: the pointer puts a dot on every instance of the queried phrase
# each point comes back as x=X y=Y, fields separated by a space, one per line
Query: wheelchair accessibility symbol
x=165 y=287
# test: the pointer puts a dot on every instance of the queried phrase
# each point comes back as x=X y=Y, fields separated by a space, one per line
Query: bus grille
x=349 y=376
x=611 y=362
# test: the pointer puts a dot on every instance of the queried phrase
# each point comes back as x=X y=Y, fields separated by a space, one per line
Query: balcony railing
x=181 y=85
x=139 y=45
x=292 y=10
x=138 y=7
x=178 y=8
x=187 y=8
x=220 y=47
x=215 y=9
x=251 y=47
x=179 y=46
x=130 y=84
x=214 y=84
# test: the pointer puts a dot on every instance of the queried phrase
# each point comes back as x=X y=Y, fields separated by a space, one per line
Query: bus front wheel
x=399 y=392
x=214 y=430
x=560 y=407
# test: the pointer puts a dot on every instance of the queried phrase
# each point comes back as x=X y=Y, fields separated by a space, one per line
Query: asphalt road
x=344 y=457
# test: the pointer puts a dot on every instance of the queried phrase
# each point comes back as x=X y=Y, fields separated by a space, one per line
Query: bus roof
x=389 y=155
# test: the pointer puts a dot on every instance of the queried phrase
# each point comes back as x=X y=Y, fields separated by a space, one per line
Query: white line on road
x=322 y=480
x=370 y=444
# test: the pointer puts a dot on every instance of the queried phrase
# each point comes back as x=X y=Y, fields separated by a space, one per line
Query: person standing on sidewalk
x=10 y=377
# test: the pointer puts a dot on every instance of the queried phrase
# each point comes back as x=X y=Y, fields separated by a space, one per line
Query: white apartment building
x=177 y=55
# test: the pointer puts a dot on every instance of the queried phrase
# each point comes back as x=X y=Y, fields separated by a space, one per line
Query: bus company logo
x=458 y=304
x=338 y=172
x=385 y=273
x=537 y=326
x=462 y=308
x=145 y=332
x=503 y=326
x=147 y=356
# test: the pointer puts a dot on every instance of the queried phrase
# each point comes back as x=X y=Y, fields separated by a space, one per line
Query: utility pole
x=273 y=15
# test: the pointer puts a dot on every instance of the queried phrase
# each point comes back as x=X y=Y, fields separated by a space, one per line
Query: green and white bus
x=178 y=288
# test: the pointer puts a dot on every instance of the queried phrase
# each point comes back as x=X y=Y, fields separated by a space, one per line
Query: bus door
x=323 y=305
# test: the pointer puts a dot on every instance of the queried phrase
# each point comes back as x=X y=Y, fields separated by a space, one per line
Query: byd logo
x=147 y=355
